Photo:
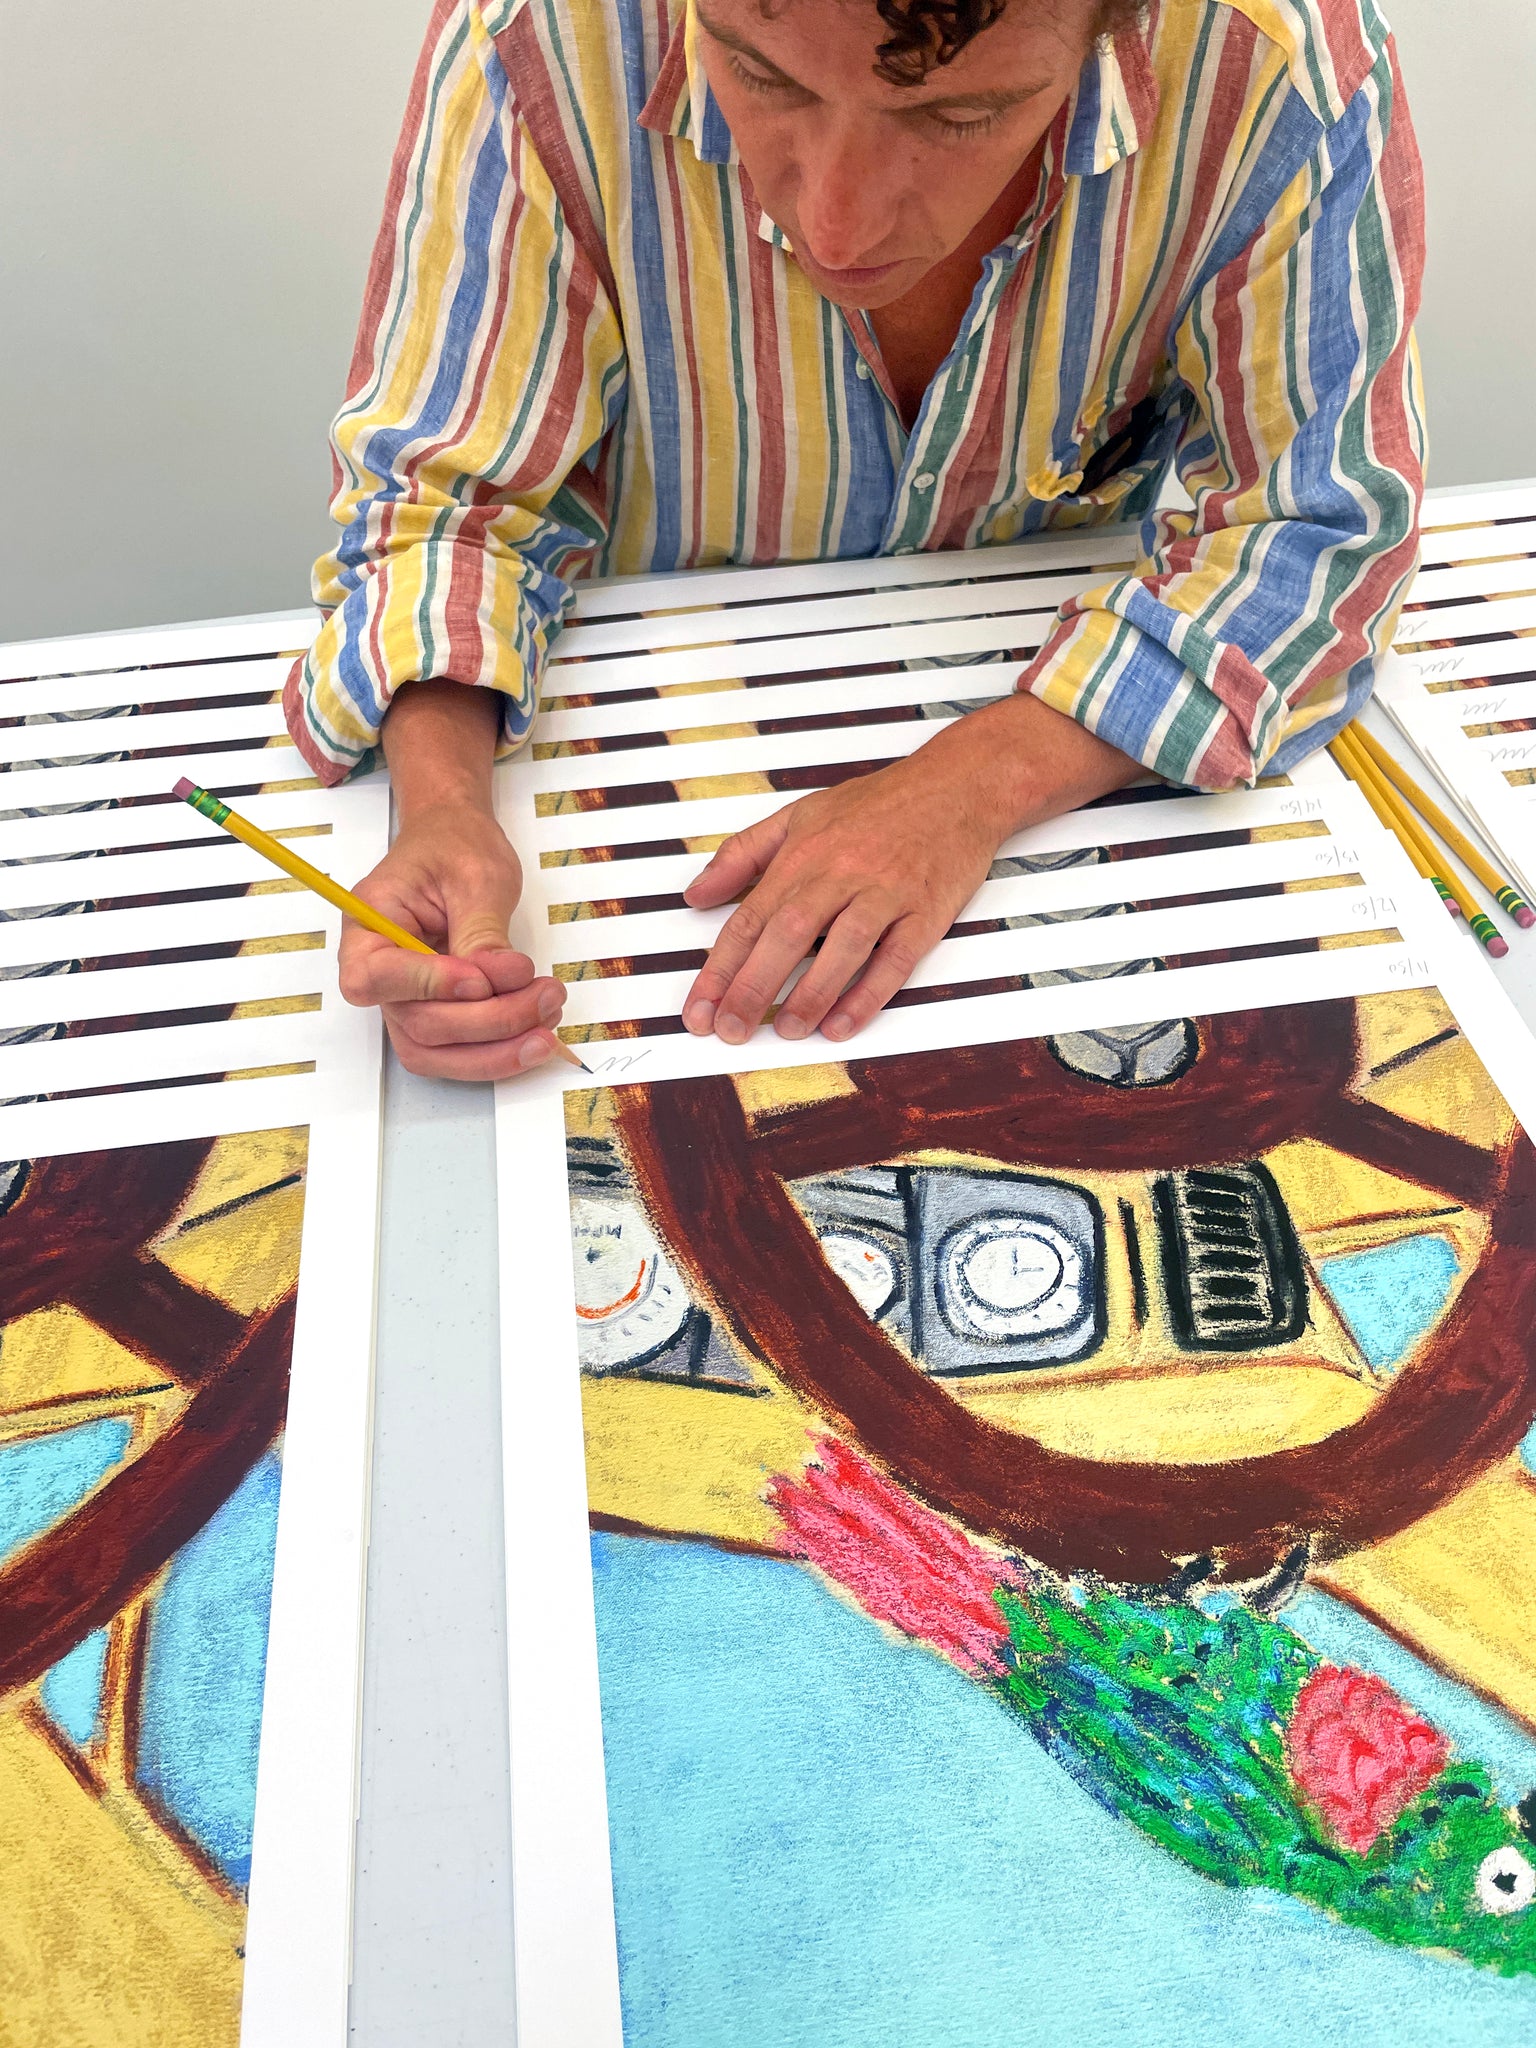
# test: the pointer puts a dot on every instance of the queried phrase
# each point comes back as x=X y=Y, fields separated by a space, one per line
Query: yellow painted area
x=100 y=1946
x=248 y=1257
x=1449 y=1089
x=793 y=1088
x=56 y=1355
x=678 y=1457
x=1388 y=1025
x=1322 y=1187
x=285 y=942
x=239 y=1165
x=1203 y=1419
x=275 y=1006
x=1457 y=1586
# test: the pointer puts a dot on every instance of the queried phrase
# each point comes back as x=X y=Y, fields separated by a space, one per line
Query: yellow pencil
x=1391 y=814
x=1420 y=848
x=314 y=878
x=1508 y=899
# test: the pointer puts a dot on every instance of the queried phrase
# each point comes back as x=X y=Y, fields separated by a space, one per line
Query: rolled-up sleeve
x=1249 y=631
x=488 y=366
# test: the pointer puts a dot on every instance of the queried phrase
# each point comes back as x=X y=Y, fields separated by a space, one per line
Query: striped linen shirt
x=586 y=350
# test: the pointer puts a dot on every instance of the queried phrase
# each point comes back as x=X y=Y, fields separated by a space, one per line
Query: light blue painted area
x=72 y=1690
x=1528 y=1449
x=200 y=1725
x=43 y=1477
x=1390 y=1296
x=826 y=1838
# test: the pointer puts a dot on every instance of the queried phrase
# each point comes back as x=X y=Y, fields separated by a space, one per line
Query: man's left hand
x=879 y=868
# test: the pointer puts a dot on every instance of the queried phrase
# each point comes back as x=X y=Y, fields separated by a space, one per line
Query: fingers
x=371 y=969
x=500 y=1061
x=495 y=1021
x=853 y=937
x=737 y=864
x=749 y=962
x=891 y=967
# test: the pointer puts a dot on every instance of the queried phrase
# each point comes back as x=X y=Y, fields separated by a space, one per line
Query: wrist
x=1020 y=761
x=439 y=740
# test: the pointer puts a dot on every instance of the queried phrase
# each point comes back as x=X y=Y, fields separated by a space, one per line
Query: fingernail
x=732 y=1030
x=837 y=1027
x=699 y=1018
x=535 y=1052
x=551 y=1003
x=792 y=1027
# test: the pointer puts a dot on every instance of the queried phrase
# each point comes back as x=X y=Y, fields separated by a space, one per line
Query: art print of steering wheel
x=713 y=1182
x=73 y=1236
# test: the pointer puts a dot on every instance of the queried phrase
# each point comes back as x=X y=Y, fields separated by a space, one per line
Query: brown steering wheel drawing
x=713 y=1182
x=73 y=1236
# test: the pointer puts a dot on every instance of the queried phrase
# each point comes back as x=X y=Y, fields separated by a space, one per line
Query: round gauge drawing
x=867 y=1269
x=1010 y=1276
x=630 y=1299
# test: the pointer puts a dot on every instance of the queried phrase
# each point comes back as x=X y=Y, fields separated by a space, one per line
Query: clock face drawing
x=631 y=1303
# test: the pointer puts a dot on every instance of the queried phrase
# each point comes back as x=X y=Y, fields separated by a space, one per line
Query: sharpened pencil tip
x=184 y=789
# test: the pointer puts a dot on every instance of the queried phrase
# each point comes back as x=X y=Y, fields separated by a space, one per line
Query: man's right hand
x=478 y=1012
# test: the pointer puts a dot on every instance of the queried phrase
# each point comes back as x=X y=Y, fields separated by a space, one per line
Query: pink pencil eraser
x=1525 y=918
x=1498 y=948
x=1453 y=906
x=185 y=788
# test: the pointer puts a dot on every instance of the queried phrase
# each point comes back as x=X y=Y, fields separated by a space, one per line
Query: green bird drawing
x=1217 y=1731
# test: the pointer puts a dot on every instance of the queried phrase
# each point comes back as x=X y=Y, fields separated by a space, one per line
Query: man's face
x=876 y=183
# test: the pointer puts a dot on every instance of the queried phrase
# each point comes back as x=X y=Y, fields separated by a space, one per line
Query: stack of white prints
x=189 y=1131
x=1461 y=681
x=959 y=1485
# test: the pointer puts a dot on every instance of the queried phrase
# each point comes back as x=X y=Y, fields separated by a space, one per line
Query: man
x=675 y=282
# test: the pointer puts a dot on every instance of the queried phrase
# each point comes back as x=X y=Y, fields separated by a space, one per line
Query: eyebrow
x=996 y=102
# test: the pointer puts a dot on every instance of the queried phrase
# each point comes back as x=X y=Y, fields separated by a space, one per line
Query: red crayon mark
x=903 y=1563
x=1358 y=1755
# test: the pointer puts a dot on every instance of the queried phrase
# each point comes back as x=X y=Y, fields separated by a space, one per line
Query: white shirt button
x=862 y=370
x=925 y=482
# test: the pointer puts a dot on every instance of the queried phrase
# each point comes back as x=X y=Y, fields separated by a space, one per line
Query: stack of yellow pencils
x=1405 y=809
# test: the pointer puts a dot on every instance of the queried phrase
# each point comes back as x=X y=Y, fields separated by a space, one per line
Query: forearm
x=1016 y=762
x=440 y=743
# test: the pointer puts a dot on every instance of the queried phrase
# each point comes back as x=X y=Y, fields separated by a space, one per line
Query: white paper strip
x=1478 y=543
x=112 y=781
x=153 y=991
x=118 y=688
x=1106 y=547
x=582 y=642
x=82 y=737
x=733 y=704
x=205 y=640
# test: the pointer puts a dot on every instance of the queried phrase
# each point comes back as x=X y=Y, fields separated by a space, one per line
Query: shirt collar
x=681 y=102
x=1109 y=116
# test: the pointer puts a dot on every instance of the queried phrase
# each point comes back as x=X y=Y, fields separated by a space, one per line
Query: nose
x=848 y=203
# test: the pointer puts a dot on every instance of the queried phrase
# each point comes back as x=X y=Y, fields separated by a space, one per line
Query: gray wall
x=188 y=193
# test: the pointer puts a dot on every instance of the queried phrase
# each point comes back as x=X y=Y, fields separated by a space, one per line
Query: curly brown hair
x=929 y=32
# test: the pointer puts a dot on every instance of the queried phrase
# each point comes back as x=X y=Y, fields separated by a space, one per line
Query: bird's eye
x=1506 y=1883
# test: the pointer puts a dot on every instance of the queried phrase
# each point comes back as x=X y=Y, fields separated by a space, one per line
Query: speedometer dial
x=630 y=1298
x=1010 y=1276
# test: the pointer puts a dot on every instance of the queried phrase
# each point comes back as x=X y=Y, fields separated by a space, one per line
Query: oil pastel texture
x=1063 y=1544
x=147 y=1299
